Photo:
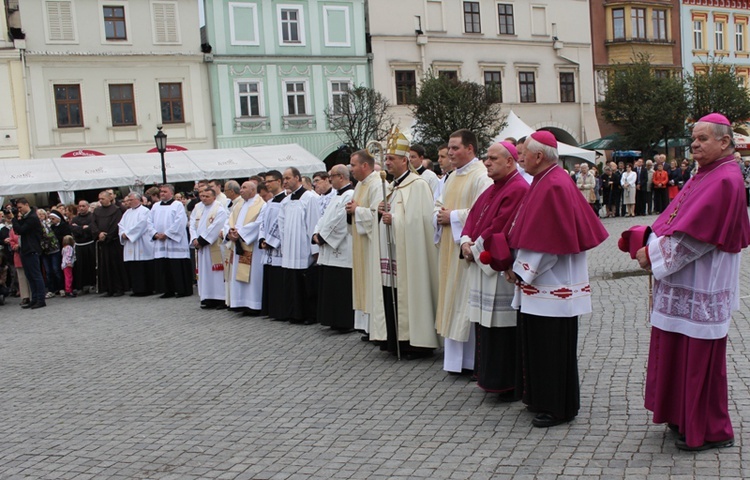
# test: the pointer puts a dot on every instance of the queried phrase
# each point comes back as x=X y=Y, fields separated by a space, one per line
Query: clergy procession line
x=488 y=262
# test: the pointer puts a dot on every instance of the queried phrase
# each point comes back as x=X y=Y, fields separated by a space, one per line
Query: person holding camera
x=27 y=225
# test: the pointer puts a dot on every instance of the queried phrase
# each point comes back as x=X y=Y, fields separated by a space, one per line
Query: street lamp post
x=161 y=146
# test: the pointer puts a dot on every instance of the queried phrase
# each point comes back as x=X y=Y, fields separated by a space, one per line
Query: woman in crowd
x=661 y=179
x=672 y=188
x=606 y=190
x=628 y=181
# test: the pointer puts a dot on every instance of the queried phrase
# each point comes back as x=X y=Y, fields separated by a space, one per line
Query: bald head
x=248 y=190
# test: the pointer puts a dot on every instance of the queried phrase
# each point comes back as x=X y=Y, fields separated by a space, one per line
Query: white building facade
x=14 y=136
x=102 y=75
x=538 y=54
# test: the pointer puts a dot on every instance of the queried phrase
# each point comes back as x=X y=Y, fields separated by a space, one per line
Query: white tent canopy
x=516 y=128
x=83 y=173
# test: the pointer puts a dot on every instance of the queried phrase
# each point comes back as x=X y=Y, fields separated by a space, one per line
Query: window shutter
x=165 y=22
x=60 y=20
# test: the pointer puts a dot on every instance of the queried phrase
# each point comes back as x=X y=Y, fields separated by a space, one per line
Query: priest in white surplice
x=334 y=238
x=300 y=212
x=270 y=242
x=206 y=224
x=367 y=293
x=136 y=231
x=173 y=272
x=416 y=156
x=461 y=190
x=243 y=234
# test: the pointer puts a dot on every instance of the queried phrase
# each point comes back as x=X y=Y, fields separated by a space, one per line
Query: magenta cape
x=494 y=209
x=711 y=208
x=555 y=218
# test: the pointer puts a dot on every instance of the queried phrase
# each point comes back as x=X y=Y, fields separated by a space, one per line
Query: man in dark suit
x=641 y=184
x=27 y=225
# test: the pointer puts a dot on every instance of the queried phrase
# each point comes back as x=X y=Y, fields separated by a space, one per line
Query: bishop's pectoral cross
x=672 y=215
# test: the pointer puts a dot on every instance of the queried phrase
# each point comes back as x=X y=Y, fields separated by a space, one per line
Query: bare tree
x=360 y=116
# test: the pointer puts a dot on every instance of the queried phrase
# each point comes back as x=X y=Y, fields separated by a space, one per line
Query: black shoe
x=220 y=306
x=182 y=295
x=108 y=294
x=507 y=397
x=365 y=338
x=117 y=294
x=207 y=306
x=26 y=305
x=25 y=301
x=416 y=355
x=309 y=321
x=38 y=305
x=673 y=427
x=251 y=313
x=545 y=420
x=237 y=309
x=167 y=295
x=342 y=330
x=681 y=445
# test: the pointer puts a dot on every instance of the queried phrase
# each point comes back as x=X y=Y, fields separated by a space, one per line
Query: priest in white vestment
x=136 y=232
x=460 y=192
x=206 y=224
x=243 y=235
x=324 y=188
x=173 y=272
x=411 y=261
x=367 y=292
x=299 y=214
x=270 y=242
x=416 y=156
x=334 y=238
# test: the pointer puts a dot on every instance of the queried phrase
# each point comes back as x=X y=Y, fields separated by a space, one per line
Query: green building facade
x=276 y=67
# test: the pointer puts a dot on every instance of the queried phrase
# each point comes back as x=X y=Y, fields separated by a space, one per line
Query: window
x=336 y=26
x=243 y=24
x=567 y=87
x=719 y=35
x=339 y=92
x=170 y=95
x=60 y=21
x=471 y=18
x=296 y=102
x=291 y=25
x=122 y=104
x=527 y=85
x=493 y=83
x=114 y=23
x=739 y=37
x=68 y=106
x=618 y=23
x=638 y=22
x=165 y=22
x=451 y=75
x=505 y=19
x=698 y=35
x=248 y=101
x=661 y=73
x=659 y=20
x=406 y=87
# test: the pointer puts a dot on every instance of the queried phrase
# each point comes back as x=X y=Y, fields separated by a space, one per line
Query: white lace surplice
x=696 y=286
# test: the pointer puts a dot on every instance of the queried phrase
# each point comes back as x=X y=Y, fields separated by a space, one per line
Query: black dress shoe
x=220 y=306
x=167 y=295
x=673 y=427
x=416 y=355
x=183 y=295
x=38 y=305
x=507 y=397
x=117 y=294
x=108 y=294
x=249 y=312
x=26 y=305
x=207 y=306
x=365 y=338
x=545 y=420
x=682 y=445
x=309 y=321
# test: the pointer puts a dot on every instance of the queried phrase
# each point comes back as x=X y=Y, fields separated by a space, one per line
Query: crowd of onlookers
x=625 y=189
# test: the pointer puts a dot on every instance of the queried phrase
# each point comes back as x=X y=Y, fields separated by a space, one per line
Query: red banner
x=82 y=153
x=170 y=148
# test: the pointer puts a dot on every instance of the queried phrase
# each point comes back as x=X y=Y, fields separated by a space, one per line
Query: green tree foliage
x=718 y=90
x=445 y=105
x=361 y=115
x=646 y=106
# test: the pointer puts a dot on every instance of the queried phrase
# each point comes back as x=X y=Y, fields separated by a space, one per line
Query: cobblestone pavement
x=148 y=388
